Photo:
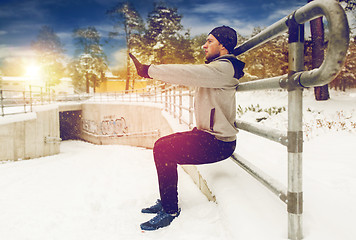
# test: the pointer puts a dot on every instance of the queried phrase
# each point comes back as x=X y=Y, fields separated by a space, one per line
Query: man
x=214 y=137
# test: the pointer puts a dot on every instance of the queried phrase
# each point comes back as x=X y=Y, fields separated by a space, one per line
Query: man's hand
x=142 y=70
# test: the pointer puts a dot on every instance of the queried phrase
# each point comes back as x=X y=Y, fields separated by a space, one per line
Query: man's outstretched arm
x=142 y=69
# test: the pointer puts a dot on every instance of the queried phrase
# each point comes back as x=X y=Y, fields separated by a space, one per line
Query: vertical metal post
x=2 y=103
x=180 y=104
x=24 y=100
x=295 y=133
x=191 y=108
x=174 y=95
x=166 y=99
x=171 y=101
x=42 y=102
x=31 y=100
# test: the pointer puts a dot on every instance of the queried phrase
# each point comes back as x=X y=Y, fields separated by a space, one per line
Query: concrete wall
x=23 y=136
x=127 y=124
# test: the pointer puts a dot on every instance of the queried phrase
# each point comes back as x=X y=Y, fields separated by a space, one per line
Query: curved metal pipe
x=338 y=41
x=335 y=54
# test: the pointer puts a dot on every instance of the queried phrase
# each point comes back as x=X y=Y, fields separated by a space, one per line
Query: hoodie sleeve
x=217 y=74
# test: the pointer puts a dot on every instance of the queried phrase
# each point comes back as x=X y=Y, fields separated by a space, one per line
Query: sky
x=21 y=20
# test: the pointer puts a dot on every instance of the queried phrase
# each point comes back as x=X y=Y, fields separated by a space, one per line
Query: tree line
x=162 y=39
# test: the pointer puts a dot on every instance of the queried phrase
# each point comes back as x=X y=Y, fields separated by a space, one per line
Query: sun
x=34 y=75
x=33 y=71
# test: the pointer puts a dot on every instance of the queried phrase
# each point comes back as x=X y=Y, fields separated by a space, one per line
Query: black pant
x=192 y=147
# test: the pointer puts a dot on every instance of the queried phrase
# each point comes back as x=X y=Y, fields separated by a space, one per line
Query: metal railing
x=176 y=100
x=294 y=82
x=16 y=101
x=176 y=107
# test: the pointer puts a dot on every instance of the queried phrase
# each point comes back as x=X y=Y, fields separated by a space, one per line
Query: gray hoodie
x=216 y=83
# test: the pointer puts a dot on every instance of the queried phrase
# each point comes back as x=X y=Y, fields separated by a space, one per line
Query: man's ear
x=223 y=49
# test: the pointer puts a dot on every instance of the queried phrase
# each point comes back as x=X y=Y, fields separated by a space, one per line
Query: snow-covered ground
x=96 y=192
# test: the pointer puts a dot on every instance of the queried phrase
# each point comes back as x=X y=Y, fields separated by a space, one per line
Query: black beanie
x=226 y=36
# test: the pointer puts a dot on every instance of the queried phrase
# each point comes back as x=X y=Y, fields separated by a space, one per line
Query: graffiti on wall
x=116 y=127
x=107 y=127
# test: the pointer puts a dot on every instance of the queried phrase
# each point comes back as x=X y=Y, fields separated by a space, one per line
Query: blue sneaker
x=162 y=219
x=153 y=209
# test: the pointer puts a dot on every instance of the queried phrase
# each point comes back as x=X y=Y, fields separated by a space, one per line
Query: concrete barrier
x=30 y=135
x=132 y=124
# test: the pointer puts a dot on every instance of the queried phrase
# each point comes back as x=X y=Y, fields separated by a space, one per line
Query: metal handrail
x=26 y=99
x=294 y=82
x=335 y=54
x=169 y=95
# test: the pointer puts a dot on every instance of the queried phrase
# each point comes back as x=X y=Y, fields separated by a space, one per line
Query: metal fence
x=294 y=82
x=16 y=102
x=176 y=100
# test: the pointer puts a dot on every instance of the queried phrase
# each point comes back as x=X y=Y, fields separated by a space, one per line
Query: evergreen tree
x=267 y=60
x=89 y=67
x=197 y=46
x=129 y=22
x=50 y=55
x=164 y=40
x=347 y=77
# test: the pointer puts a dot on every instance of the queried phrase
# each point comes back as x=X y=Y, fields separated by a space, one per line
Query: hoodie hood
x=238 y=65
